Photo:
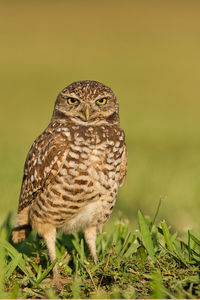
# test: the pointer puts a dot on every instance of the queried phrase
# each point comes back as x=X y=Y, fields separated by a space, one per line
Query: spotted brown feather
x=42 y=164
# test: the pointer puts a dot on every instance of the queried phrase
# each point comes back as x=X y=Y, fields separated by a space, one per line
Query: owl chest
x=87 y=182
x=96 y=165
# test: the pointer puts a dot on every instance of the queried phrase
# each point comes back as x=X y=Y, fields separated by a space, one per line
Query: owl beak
x=87 y=113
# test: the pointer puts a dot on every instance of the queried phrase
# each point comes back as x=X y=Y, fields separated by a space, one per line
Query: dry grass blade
x=91 y=278
x=106 y=266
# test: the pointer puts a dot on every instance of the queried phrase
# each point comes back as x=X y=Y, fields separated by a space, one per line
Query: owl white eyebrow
x=72 y=95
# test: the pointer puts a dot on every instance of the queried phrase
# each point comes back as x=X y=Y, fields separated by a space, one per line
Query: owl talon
x=96 y=261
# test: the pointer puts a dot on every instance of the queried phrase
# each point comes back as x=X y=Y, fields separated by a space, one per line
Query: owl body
x=74 y=168
x=83 y=185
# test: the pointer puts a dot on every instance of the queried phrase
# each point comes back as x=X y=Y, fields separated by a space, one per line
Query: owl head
x=85 y=103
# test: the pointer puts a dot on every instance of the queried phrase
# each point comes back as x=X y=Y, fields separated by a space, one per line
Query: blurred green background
x=148 y=52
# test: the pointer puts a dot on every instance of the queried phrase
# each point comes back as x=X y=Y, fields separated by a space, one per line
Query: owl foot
x=59 y=282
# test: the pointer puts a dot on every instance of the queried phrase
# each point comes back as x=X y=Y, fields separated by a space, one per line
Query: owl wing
x=43 y=162
x=123 y=169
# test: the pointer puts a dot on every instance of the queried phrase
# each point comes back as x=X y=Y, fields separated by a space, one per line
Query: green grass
x=148 y=52
x=151 y=262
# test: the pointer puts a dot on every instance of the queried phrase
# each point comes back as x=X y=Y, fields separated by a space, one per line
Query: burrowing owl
x=74 y=168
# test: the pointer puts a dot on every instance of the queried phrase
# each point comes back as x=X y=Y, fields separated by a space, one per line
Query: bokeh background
x=148 y=52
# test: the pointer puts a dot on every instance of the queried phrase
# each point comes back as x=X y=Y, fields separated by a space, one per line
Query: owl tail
x=22 y=227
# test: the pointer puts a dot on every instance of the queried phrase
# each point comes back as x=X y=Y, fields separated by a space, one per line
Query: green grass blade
x=189 y=248
x=39 y=272
x=21 y=264
x=129 y=239
x=157 y=286
x=195 y=239
x=77 y=247
x=156 y=213
x=46 y=272
x=76 y=288
x=177 y=251
x=166 y=235
x=146 y=236
x=130 y=250
x=12 y=265
x=2 y=268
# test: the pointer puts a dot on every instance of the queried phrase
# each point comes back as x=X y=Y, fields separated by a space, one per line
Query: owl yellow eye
x=72 y=101
x=102 y=101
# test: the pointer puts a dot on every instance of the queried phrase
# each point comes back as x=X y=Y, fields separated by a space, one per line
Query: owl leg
x=90 y=237
x=48 y=233
x=50 y=240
